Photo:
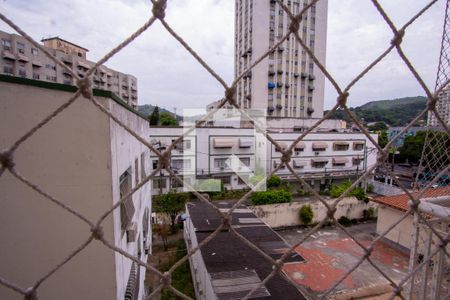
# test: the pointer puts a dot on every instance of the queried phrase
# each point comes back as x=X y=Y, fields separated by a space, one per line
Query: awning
x=282 y=146
x=22 y=57
x=8 y=55
x=340 y=160
x=223 y=143
x=298 y=163
x=245 y=142
x=84 y=65
x=341 y=143
x=37 y=63
x=319 y=160
x=319 y=145
x=300 y=145
x=358 y=143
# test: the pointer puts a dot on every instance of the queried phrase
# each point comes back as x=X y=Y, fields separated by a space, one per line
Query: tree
x=378 y=126
x=163 y=232
x=153 y=118
x=274 y=181
x=382 y=139
x=306 y=214
x=167 y=119
x=413 y=146
x=170 y=204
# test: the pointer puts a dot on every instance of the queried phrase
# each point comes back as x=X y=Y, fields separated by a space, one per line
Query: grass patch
x=181 y=277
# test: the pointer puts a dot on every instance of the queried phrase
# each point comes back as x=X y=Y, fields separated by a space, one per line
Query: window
x=319 y=146
x=155 y=164
x=242 y=180
x=50 y=66
x=183 y=145
x=175 y=183
x=159 y=183
x=35 y=76
x=181 y=164
x=8 y=69
x=51 y=78
x=245 y=161
x=34 y=51
x=127 y=206
x=340 y=146
x=358 y=146
x=357 y=161
x=220 y=163
x=224 y=179
x=21 y=48
x=319 y=164
x=6 y=44
x=136 y=171
x=22 y=72
x=143 y=171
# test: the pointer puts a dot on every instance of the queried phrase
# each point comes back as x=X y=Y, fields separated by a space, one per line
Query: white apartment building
x=286 y=83
x=20 y=58
x=321 y=157
x=88 y=162
x=443 y=109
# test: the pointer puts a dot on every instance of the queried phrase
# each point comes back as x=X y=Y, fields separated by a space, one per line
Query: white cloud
x=171 y=77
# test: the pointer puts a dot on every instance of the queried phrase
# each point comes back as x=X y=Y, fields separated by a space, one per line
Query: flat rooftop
x=231 y=264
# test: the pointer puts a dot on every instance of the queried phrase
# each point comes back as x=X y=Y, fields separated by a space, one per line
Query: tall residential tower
x=287 y=83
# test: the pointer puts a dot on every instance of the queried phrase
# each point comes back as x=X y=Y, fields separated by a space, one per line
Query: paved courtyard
x=330 y=253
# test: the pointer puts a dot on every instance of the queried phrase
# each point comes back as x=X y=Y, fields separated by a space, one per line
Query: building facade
x=442 y=108
x=286 y=83
x=320 y=158
x=20 y=58
x=88 y=162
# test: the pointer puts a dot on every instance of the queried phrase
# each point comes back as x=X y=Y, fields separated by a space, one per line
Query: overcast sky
x=169 y=77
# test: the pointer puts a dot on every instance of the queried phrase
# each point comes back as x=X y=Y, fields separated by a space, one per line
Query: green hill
x=395 y=112
x=147 y=109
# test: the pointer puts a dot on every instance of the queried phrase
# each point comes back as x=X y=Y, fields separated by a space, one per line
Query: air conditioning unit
x=317 y=153
x=222 y=168
x=131 y=232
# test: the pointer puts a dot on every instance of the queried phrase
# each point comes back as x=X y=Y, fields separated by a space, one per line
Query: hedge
x=271 y=197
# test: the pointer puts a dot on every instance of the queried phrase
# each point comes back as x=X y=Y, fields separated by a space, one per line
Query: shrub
x=359 y=193
x=270 y=197
x=306 y=214
x=304 y=193
x=339 y=189
x=344 y=221
x=274 y=181
x=369 y=188
x=369 y=213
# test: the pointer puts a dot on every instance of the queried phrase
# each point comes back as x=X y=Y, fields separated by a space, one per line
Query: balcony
x=271 y=85
x=311 y=88
x=312 y=77
x=279 y=84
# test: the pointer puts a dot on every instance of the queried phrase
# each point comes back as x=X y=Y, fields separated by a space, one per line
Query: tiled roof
x=401 y=201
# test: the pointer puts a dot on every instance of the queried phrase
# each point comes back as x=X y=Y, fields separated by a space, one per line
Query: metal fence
x=7 y=157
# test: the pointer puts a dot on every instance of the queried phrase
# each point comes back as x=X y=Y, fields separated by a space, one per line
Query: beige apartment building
x=286 y=83
x=88 y=162
x=20 y=58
